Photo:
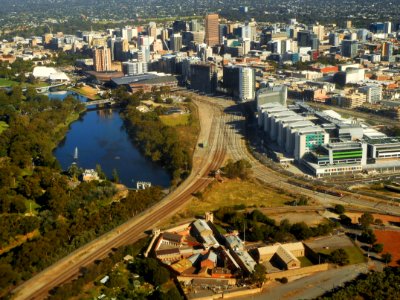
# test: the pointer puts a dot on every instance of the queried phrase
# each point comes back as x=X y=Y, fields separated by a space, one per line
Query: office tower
x=164 y=35
x=102 y=59
x=387 y=51
x=223 y=32
x=314 y=42
x=212 y=30
x=247 y=84
x=204 y=78
x=348 y=24
x=152 y=30
x=334 y=39
x=121 y=48
x=131 y=68
x=362 y=35
x=349 y=48
x=231 y=80
x=319 y=30
x=249 y=31
x=388 y=27
x=128 y=33
x=304 y=38
x=377 y=27
x=194 y=25
x=179 y=26
x=176 y=42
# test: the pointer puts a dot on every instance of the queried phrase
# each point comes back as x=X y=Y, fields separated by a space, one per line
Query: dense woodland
x=37 y=197
x=157 y=141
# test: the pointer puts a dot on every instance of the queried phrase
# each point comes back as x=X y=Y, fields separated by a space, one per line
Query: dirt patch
x=386 y=219
x=330 y=242
x=310 y=218
x=391 y=243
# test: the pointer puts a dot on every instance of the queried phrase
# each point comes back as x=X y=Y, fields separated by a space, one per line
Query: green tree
x=340 y=257
x=377 y=248
x=386 y=258
x=115 y=176
x=339 y=209
x=258 y=276
x=366 y=220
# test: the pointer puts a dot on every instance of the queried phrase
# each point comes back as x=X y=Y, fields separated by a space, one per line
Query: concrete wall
x=298 y=272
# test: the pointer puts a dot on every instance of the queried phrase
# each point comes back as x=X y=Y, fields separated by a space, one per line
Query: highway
x=68 y=268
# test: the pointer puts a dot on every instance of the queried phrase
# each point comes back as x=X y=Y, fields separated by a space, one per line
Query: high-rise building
x=319 y=30
x=334 y=39
x=121 y=48
x=102 y=59
x=388 y=27
x=349 y=48
x=212 y=30
x=247 y=83
x=179 y=26
x=387 y=51
x=134 y=67
x=176 y=42
x=152 y=30
x=304 y=38
x=348 y=24
x=195 y=25
x=204 y=78
x=231 y=80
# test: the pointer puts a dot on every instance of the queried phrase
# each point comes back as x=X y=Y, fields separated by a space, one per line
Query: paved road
x=312 y=286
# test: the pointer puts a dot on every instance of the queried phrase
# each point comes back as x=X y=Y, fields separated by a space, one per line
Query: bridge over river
x=99 y=102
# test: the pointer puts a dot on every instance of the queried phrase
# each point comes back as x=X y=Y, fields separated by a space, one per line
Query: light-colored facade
x=246 y=84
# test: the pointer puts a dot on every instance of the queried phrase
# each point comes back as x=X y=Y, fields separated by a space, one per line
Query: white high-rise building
x=246 y=84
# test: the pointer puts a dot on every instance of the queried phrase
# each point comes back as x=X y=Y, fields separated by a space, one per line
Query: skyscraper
x=387 y=51
x=152 y=30
x=349 y=48
x=212 y=30
x=246 y=84
x=102 y=59
x=176 y=42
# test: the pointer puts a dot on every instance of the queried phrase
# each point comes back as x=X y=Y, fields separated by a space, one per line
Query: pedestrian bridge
x=100 y=102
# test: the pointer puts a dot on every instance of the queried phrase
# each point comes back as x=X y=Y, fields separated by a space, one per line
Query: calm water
x=102 y=139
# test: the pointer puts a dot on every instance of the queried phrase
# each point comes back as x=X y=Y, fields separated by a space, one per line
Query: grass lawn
x=88 y=92
x=220 y=229
x=3 y=126
x=305 y=262
x=354 y=253
x=175 y=119
x=9 y=82
x=234 y=192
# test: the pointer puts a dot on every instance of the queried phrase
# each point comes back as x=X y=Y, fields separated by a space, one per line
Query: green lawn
x=8 y=82
x=175 y=119
x=354 y=253
x=305 y=262
x=3 y=126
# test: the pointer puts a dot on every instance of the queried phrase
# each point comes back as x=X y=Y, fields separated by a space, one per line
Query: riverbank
x=172 y=146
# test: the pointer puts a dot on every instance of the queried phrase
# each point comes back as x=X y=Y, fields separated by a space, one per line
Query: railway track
x=134 y=229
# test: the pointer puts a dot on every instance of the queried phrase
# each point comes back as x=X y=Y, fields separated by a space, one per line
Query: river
x=102 y=139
